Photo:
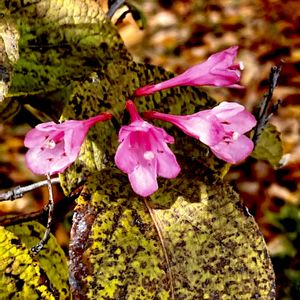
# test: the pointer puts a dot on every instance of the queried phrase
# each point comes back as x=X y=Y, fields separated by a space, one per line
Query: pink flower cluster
x=145 y=146
x=143 y=152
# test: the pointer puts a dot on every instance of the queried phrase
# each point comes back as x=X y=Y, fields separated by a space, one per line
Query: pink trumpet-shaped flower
x=54 y=147
x=218 y=70
x=221 y=128
x=143 y=154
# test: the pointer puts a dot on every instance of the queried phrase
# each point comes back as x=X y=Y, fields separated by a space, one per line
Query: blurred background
x=177 y=35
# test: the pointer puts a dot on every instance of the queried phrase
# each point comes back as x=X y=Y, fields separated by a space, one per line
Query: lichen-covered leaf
x=59 y=42
x=193 y=239
x=9 y=53
x=24 y=276
x=119 y=255
x=269 y=146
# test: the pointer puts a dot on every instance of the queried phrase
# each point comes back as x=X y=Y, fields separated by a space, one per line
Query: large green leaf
x=25 y=276
x=193 y=239
x=269 y=146
x=59 y=42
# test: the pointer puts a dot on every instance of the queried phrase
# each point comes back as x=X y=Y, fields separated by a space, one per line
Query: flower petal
x=162 y=135
x=202 y=125
x=167 y=165
x=133 y=127
x=226 y=78
x=35 y=137
x=45 y=160
x=234 y=151
x=73 y=139
x=126 y=157
x=143 y=179
x=234 y=117
x=225 y=58
x=48 y=126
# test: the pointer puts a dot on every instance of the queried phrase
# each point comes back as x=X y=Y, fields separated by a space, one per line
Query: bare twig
x=17 y=219
x=266 y=109
x=37 y=248
x=18 y=191
x=40 y=215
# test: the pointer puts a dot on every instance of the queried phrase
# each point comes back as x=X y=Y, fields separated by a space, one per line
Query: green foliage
x=287 y=220
x=192 y=240
x=57 y=45
x=286 y=258
x=24 y=276
x=9 y=53
x=269 y=146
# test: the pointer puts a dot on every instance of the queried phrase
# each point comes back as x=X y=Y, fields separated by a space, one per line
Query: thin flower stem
x=37 y=248
x=164 y=248
x=18 y=191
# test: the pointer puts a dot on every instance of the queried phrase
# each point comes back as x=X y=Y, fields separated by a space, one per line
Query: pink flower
x=236 y=121
x=221 y=128
x=143 y=154
x=54 y=147
x=218 y=70
x=203 y=125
